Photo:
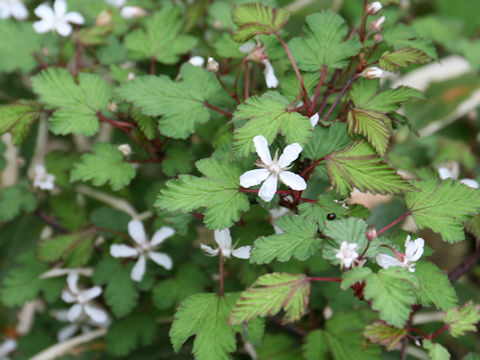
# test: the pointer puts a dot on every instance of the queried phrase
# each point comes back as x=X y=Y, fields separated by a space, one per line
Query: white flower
x=413 y=252
x=314 y=119
x=347 y=253
x=131 y=12
x=143 y=248
x=13 y=8
x=8 y=346
x=83 y=323
x=376 y=24
x=125 y=149
x=270 y=78
x=212 y=65
x=373 y=73
x=116 y=3
x=42 y=179
x=131 y=76
x=224 y=242
x=277 y=214
x=446 y=173
x=56 y=19
x=374 y=7
x=82 y=300
x=197 y=61
x=273 y=170
x=247 y=47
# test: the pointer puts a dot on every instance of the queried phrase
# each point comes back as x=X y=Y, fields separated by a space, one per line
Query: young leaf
x=436 y=351
x=461 y=320
x=442 y=206
x=298 y=241
x=105 y=165
x=181 y=104
x=324 y=43
x=351 y=230
x=391 y=61
x=14 y=199
x=272 y=293
x=268 y=115
x=255 y=19
x=218 y=192
x=205 y=316
x=161 y=39
x=380 y=333
x=76 y=105
x=326 y=140
x=18 y=118
x=358 y=166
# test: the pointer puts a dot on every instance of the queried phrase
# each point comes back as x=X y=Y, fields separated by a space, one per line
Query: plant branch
x=464 y=266
x=153 y=65
x=339 y=97
x=317 y=278
x=51 y=221
x=317 y=90
x=247 y=81
x=305 y=173
x=234 y=96
x=220 y=271
x=214 y=108
x=121 y=125
x=393 y=223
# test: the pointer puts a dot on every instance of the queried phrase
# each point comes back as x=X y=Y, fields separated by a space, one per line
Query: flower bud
x=131 y=12
x=373 y=73
x=125 y=149
x=104 y=18
x=112 y=107
x=212 y=65
x=376 y=25
x=371 y=234
x=196 y=61
x=374 y=7
x=131 y=76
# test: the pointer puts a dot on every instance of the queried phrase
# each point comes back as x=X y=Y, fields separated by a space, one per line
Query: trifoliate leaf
x=14 y=199
x=76 y=105
x=463 y=319
x=391 y=61
x=161 y=39
x=181 y=104
x=272 y=293
x=205 y=316
x=18 y=118
x=107 y=164
x=255 y=19
x=436 y=351
x=358 y=166
x=326 y=140
x=401 y=36
x=380 y=333
x=435 y=288
x=351 y=230
x=442 y=206
x=324 y=43
x=268 y=115
x=375 y=126
x=217 y=192
x=298 y=241
x=392 y=292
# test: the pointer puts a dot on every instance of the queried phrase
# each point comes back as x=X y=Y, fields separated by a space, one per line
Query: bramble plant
x=203 y=178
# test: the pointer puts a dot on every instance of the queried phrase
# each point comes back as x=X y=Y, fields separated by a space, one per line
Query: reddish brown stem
x=234 y=97
x=214 y=108
x=247 y=81
x=220 y=271
x=339 y=97
x=464 y=267
x=438 y=332
x=42 y=63
x=306 y=172
x=317 y=90
x=294 y=101
x=363 y=25
x=393 y=223
x=121 y=125
x=307 y=200
x=254 y=191
x=153 y=65
x=317 y=278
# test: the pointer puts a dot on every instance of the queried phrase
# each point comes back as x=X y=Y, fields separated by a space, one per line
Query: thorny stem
x=393 y=223
x=220 y=271
x=317 y=90
x=339 y=97
x=234 y=96
x=214 y=108
x=247 y=81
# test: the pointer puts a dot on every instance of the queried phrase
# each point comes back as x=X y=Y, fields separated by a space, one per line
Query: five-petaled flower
x=272 y=170
x=224 y=242
x=347 y=254
x=83 y=323
x=143 y=248
x=56 y=18
x=413 y=252
x=13 y=8
x=42 y=179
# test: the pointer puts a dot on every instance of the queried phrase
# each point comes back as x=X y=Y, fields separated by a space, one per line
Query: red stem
x=42 y=63
x=214 y=108
x=220 y=271
x=316 y=278
x=364 y=21
x=153 y=65
x=317 y=90
x=393 y=223
x=247 y=81
x=254 y=191
x=234 y=97
x=311 y=167
x=121 y=125
x=339 y=97
x=438 y=332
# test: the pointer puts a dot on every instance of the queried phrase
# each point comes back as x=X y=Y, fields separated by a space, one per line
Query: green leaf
x=351 y=230
x=436 y=351
x=76 y=105
x=463 y=319
x=14 y=199
x=105 y=165
x=279 y=346
x=181 y=104
x=324 y=43
x=315 y=346
x=442 y=206
x=205 y=316
x=326 y=140
x=272 y=293
x=435 y=288
x=147 y=124
x=358 y=166
x=391 y=61
x=268 y=116
x=353 y=276
x=380 y=333
x=218 y=192
x=161 y=39
x=256 y=18
x=298 y=241
x=179 y=160
x=392 y=292
x=325 y=204
x=375 y=126
x=401 y=36
x=18 y=118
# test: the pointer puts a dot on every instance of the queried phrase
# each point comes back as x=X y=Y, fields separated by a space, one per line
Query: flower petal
x=67 y=332
x=45 y=12
x=122 y=251
x=414 y=249
x=289 y=155
x=386 y=261
x=7 y=347
x=161 y=259
x=270 y=78
x=161 y=235
x=74 y=312
x=63 y=28
x=261 y=147
x=314 y=119
x=139 y=269
x=74 y=18
x=470 y=183
x=444 y=173
x=19 y=11
x=208 y=250
x=137 y=231
x=4 y=14
x=72 y=281
x=253 y=177
x=243 y=252
x=60 y=8
x=247 y=47
x=60 y=315
x=42 y=26
x=91 y=293
x=223 y=238
x=68 y=297
x=97 y=314
x=292 y=180
x=268 y=189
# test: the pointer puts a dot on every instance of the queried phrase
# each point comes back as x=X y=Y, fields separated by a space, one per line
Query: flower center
x=274 y=168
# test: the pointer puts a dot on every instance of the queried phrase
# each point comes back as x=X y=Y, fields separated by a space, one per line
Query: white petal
x=74 y=312
x=223 y=238
x=247 y=47
x=96 y=314
x=242 y=252
x=139 y=269
x=4 y=14
x=91 y=293
x=268 y=189
x=208 y=250
x=137 y=231
x=42 y=26
x=289 y=155
x=270 y=78
x=19 y=11
x=292 y=180
x=253 y=177
x=68 y=297
x=63 y=28
x=130 y=12
x=116 y=3
x=197 y=61
x=444 y=173
x=414 y=249
x=67 y=332
x=60 y=315
x=74 y=18
x=7 y=347
x=120 y=250
x=314 y=119
x=161 y=259
x=386 y=261
x=161 y=235
x=470 y=183
x=45 y=12
x=60 y=8
x=72 y=281
x=261 y=146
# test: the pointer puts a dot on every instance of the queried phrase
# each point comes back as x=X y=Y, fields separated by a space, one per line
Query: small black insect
x=331 y=216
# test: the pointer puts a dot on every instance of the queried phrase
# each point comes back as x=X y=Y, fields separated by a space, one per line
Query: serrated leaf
x=391 y=61
x=18 y=118
x=205 y=316
x=401 y=36
x=76 y=105
x=106 y=165
x=218 y=192
x=271 y=293
x=268 y=116
x=179 y=160
x=14 y=199
x=461 y=320
x=380 y=333
x=147 y=124
x=442 y=206
x=315 y=346
x=351 y=230
x=298 y=241
x=326 y=140
x=255 y=19
x=375 y=126
x=318 y=211
x=436 y=351
x=161 y=39
x=181 y=104
x=353 y=276
x=358 y=166
x=324 y=43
